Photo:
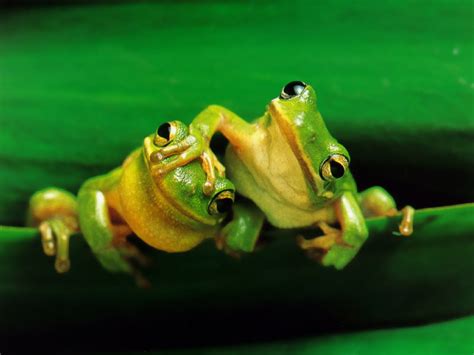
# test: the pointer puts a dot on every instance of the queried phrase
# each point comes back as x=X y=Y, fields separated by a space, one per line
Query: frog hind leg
x=54 y=212
x=241 y=234
x=376 y=201
x=107 y=240
x=97 y=228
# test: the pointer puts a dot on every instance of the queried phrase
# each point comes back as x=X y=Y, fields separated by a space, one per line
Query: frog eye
x=334 y=167
x=292 y=89
x=165 y=134
x=221 y=203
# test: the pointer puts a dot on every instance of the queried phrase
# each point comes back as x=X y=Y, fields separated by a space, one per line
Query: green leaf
x=393 y=281
x=454 y=337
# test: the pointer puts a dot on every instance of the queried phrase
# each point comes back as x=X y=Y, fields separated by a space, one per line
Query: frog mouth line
x=308 y=171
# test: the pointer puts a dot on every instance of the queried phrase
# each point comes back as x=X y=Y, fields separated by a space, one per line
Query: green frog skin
x=291 y=167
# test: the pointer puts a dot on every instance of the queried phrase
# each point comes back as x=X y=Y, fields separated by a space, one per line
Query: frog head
x=182 y=187
x=323 y=161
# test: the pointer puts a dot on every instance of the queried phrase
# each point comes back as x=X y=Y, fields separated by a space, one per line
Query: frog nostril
x=337 y=169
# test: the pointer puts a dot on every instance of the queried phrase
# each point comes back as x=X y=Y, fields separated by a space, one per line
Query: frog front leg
x=242 y=232
x=337 y=247
x=214 y=118
x=376 y=201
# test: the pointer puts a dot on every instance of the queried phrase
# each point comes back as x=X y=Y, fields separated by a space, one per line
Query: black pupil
x=164 y=131
x=294 y=88
x=337 y=170
x=224 y=205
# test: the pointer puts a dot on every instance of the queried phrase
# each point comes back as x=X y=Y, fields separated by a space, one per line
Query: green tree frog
x=291 y=167
x=173 y=212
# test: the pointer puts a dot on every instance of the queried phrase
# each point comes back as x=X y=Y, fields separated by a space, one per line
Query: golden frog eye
x=334 y=167
x=221 y=203
x=165 y=134
x=292 y=89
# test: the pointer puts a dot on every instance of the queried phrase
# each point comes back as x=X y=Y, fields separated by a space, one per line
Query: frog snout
x=334 y=167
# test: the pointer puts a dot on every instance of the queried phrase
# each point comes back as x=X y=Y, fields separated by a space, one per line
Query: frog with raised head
x=173 y=212
x=291 y=167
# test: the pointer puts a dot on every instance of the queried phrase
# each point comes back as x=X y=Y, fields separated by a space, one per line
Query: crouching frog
x=291 y=167
x=173 y=212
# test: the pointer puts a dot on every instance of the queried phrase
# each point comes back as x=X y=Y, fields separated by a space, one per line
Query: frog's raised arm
x=217 y=118
x=212 y=119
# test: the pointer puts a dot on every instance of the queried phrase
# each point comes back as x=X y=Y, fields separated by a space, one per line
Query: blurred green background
x=82 y=83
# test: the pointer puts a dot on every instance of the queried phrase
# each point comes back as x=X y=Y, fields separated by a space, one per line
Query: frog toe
x=131 y=253
x=125 y=259
x=55 y=234
x=47 y=239
x=62 y=265
x=324 y=242
x=406 y=225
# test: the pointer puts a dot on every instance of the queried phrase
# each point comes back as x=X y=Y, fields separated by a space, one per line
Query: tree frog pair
x=290 y=166
x=172 y=192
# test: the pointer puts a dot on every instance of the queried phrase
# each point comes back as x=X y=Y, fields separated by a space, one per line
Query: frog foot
x=134 y=256
x=328 y=249
x=320 y=245
x=55 y=234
